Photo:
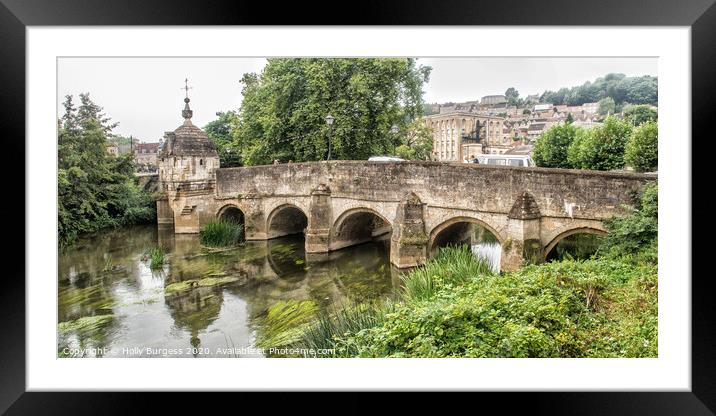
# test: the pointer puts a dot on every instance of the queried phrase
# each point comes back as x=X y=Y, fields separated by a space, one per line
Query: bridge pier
x=318 y=232
x=408 y=244
x=254 y=217
x=522 y=245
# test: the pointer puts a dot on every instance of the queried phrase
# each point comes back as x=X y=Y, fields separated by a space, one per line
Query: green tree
x=601 y=147
x=642 y=149
x=512 y=96
x=606 y=106
x=416 y=143
x=550 y=149
x=95 y=190
x=638 y=114
x=638 y=90
x=284 y=108
x=219 y=131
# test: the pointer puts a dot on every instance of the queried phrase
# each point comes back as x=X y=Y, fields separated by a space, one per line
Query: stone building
x=493 y=100
x=113 y=150
x=187 y=163
x=454 y=138
x=145 y=156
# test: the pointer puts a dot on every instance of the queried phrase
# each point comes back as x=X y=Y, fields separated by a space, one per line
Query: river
x=111 y=304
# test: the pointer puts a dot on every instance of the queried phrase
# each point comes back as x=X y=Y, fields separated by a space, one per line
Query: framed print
x=436 y=201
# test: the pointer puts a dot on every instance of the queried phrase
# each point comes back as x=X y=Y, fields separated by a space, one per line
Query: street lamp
x=394 y=129
x=329 y=122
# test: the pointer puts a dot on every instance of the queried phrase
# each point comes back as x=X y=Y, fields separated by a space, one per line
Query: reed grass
x=222 y=233
x=156 y=257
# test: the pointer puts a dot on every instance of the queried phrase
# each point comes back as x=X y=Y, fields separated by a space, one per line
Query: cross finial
x=186 y=87
x=186 y=113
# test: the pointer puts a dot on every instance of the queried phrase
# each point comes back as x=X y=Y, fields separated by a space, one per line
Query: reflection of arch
x=358 y=225
x=284 y=220
x=287 y=258
x=436 y=231
x=565 y=234
x=231 y=212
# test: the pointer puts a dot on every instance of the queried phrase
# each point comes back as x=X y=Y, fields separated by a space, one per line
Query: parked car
x=385 y=159
x=505 y=160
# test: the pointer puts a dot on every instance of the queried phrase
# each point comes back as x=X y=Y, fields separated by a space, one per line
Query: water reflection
x=109 y=298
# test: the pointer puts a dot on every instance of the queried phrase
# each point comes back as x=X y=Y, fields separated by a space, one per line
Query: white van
x=505 y=160
x=385 y=159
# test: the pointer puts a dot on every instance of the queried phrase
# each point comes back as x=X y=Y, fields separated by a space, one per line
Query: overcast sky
x=145 y=94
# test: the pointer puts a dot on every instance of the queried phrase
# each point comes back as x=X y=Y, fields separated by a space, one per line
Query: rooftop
x=188 y=139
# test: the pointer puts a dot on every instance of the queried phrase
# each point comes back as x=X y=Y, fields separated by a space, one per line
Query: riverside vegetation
x=604 y=306
x=95 y=189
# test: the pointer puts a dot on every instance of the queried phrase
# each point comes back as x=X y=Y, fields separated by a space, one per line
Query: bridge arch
x=595 y=230
x=453 y=226
x=359 y=225
x=231 y=212
x=286 y=219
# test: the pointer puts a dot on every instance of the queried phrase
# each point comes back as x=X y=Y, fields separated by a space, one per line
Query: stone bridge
x=419 y=206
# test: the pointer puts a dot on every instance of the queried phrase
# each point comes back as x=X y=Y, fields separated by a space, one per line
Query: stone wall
x=489 y=189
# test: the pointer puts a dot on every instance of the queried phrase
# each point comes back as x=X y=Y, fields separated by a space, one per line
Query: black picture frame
x=16 y=15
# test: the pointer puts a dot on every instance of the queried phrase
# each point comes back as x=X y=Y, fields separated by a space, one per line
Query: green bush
x=594 y=308
x=221 y=233
x=642 y=149
x=550 y=150
x=601 y=147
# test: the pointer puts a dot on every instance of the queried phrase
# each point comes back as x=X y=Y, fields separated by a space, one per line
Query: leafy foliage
x=550 y=149
x=219 y=131
x=606 y=106
x=284 y=108
x=620 y=88
x=416 y=143
x=642 y=149
x=512 y=96
x=636 y=233
x=601 y=147
x=593 y=308
x=639 y=114
x=95 y=189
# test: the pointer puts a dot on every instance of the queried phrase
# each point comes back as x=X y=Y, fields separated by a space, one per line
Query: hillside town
x=461 y=131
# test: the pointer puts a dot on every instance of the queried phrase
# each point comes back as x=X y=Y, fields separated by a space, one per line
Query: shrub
x=221 y=233
x=550 y=150
x=642 y=149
